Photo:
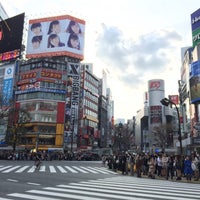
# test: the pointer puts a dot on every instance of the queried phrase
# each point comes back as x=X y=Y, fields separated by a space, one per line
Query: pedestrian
x=165 y=160
x=188 y=168
x=152 y=167
x=159 y=164
x=132 y=163
x=170 y=167
x=195 y=162
x=178 y=167
x=123 y=163
x=139 y=163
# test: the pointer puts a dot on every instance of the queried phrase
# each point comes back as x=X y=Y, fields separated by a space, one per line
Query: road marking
x=61 y=169
x=27 y=196
x=66 y=195
x=90 y=170
x=71 y=169
x=11 y=169
x=55 y=169
x=52 y=169
x=29 y=183
x=81 y=170
x=5 y=198
x=22 y=169
x=42 y=168
x=13 y=180
x=106 y=170
x=99 y=170
x=31 y=170
x=6 y=167
x=89 y=191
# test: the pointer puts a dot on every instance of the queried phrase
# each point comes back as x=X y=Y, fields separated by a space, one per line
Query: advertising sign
x=156 y=84
x=174 y=99
x=72 y=103
x=56 y=36
x=155 y=114
x=7 y=92
x=196 y=37
x=195 y=19
x=195 y=82
x=11 y=32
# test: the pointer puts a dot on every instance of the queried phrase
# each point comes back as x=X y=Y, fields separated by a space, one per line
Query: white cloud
x=135 y=40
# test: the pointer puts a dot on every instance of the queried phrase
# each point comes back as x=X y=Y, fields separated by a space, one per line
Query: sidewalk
x=183 y=179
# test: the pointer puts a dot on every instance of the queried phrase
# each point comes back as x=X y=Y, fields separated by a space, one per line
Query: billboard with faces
x=56 y=36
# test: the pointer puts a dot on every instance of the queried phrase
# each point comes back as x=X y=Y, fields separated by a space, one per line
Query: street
x=59 y=180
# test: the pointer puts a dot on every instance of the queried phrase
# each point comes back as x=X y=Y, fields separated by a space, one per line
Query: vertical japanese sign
x=7 y=93
x=74 y=74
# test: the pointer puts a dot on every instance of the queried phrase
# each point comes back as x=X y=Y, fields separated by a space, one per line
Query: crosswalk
x=120 y=187
x=54 y=169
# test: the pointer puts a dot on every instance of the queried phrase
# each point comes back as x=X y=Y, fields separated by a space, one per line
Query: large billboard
x=56 y=36
x=195 y=19
x=11 y=32
x=195 y=24
x=195 y=82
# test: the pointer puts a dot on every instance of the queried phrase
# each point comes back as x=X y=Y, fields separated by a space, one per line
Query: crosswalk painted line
x=52 y=169
x=22 y=169
x=42 y=168
x=90 y=170
x=81 y=170
x=55 y=169
x=71 y=169
x=31 y=170
x=62 y=170
x=11 y=169
x=6 y=167
x=120 y=187
x=5 y=198
x=104 y=170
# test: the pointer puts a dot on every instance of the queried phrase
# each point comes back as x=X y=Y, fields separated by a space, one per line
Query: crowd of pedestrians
x=28 y=155
x=161 y=165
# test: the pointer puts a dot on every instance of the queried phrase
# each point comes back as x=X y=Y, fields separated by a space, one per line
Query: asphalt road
x=85 y=180
x=55 y=173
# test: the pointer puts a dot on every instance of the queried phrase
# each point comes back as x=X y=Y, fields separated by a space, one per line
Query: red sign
x=28 y=75
x=154 y=84
x=174 y=99
x=50 y=74
x=29 y=86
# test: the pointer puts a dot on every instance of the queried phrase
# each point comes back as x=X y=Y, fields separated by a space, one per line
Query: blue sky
x=135 y=41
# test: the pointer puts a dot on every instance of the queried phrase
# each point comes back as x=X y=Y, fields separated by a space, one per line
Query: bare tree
x=17 y=118
x=163 y=135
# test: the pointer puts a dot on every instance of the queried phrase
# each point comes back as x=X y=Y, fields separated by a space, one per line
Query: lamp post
x=166 y=102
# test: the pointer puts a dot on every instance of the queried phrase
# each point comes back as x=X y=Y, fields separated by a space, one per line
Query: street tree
x=163 y=135
x=17 y=118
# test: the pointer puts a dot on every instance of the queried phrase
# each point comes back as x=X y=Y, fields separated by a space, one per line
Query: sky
x=133 y=41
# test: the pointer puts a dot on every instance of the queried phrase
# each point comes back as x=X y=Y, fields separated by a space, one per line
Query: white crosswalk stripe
x=120 y=187
x=55 y=169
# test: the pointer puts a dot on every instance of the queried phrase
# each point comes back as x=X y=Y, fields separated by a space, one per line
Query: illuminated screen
x=11 y=32
x=195 y=82
x=56 y=36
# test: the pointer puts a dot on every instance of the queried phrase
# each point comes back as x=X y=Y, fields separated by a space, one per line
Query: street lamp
x=166 y=102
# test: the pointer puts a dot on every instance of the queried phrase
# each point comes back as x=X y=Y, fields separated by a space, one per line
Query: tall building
x=154 y=115
x=102 y=116
x=88 y=137
x=41 y=91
